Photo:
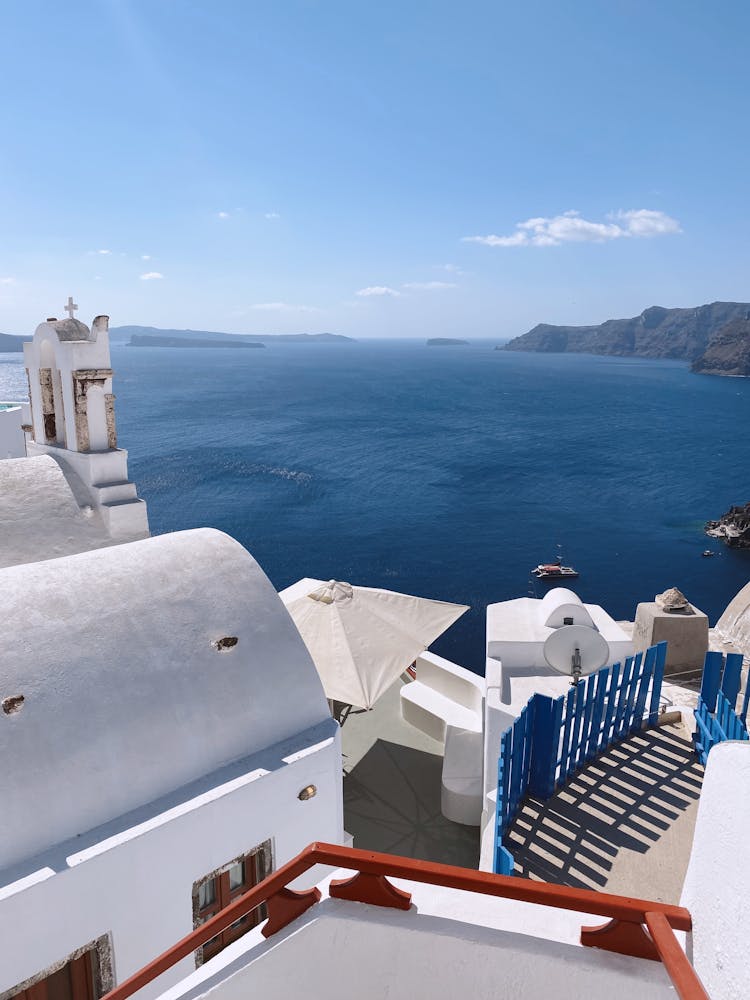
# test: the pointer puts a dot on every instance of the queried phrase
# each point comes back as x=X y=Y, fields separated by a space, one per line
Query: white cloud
x=222 y=215
x=283 y=307
x=272 y=215
x=103 y=253
x=145 y=256
x=7 y=281
x=570 y=227
x=151 y=276
x=452 y=268
x=428 y=286
x=374 y=290
x=645 y=222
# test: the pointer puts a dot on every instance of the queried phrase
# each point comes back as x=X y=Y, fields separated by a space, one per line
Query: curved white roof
x=69 y=329
x=126 y=695
x=39 y=515
x=734 y=624
x=561 y=603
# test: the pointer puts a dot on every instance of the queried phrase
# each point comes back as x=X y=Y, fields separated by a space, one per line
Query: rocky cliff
x=728 y=352
x=685 y=334
x=733 y=527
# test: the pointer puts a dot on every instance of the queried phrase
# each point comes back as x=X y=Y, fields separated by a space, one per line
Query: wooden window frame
x=90 y=970
x=258 y=864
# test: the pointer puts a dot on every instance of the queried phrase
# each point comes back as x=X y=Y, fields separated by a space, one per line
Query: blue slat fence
x=717 y=717
x=553 y=738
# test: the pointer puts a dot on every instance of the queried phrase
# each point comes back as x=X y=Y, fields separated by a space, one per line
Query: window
x=216 y=891
x=86 y=975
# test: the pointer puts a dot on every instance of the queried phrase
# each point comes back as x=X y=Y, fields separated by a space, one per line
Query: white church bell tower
x=73 y=419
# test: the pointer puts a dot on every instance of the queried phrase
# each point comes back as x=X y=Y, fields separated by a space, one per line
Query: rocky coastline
x=714 y=338
x=733 y=528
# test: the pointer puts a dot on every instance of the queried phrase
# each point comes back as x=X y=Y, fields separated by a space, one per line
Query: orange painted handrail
x=684 y=977
x=623 y=933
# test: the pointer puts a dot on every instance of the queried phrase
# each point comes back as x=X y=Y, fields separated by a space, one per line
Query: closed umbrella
x=362 y=638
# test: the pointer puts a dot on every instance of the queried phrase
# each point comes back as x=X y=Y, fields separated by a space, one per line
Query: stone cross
x=71 y=307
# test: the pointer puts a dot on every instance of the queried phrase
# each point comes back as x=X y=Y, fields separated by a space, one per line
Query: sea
x=447 y=472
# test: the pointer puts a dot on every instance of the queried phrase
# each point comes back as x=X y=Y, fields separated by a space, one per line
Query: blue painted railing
x=716 y=716
x=553 y=738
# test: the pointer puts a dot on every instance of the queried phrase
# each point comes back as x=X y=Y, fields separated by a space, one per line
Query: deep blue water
x=445 y=472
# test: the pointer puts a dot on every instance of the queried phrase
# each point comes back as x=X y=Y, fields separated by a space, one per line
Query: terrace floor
x=392 y=775
x=624 y=824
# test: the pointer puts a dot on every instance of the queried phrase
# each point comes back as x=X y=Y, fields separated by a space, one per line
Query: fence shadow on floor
x=627 y=799
x=392 y=804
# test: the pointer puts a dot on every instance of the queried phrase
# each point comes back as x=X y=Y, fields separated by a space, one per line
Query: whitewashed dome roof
x=127 y=692
x=67 y=329
x=734 y=624
x=39 y=514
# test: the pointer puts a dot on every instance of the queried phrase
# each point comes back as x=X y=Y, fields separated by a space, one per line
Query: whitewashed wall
x=12 y=443
x=717 y=884
x=339 y=950
x=136 y=884
x=143 y=756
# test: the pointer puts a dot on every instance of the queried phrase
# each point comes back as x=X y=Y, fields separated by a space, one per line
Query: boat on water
x=554 y=571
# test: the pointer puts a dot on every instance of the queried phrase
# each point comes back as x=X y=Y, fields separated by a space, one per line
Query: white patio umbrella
x=360 y=638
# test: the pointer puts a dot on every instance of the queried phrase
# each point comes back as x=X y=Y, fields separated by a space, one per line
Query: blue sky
x=371 y=169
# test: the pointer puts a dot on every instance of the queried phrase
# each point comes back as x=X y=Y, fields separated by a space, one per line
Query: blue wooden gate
x=716 y=717
x=553 y=738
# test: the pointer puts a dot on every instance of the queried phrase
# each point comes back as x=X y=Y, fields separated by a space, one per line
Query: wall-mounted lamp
x=308 y=792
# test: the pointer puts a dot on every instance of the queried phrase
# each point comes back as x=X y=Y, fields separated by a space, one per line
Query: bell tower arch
x=73 y=418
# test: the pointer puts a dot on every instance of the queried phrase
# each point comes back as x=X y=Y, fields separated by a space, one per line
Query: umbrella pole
x=339 y=710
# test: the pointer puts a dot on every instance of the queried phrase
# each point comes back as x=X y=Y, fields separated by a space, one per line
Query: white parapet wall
x=131 y=881
x=13 y=416
x=448 y=944
x=717 y=884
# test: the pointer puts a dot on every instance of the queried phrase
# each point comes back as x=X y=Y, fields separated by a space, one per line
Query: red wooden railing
x=624 y=932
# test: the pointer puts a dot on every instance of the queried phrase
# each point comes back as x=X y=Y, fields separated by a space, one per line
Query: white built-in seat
x=447 y=702
x=462 y=791
x=443 y=694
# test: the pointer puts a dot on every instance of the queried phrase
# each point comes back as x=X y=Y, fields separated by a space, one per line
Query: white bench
x=447 y=703
x=443 y=694
x=462 y=791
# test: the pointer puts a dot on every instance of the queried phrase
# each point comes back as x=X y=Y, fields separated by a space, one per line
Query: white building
x=165 y=743
x=412 y=929
x=164 y=734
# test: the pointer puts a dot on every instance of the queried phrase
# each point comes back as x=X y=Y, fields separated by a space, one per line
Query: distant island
x=445 y=342
x=715 y=338
x=144 y=341
x=10 y=344
x=126 y=333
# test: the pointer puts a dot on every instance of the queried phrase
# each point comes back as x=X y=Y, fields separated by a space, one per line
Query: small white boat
x=554 y=571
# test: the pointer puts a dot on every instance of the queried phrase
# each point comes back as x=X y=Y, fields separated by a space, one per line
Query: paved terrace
x=392 y=789
x=624 y=824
